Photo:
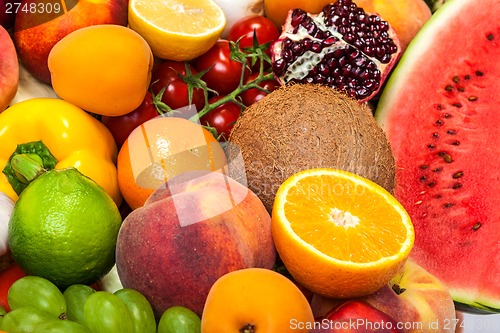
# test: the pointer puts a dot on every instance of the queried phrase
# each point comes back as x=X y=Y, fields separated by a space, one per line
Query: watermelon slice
x=441 y=113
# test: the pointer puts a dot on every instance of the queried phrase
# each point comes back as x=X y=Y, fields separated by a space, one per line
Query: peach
x=405 y=16
x=196 y=228
x=414 y=298
x=36 y=33
x=9 y=69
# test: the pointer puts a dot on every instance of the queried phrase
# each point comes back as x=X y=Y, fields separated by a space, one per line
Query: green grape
x=2 y=314
x=61 y=326
x=76 y=296
x=25 y=320
x=140 y=310
x=106 y=313
x=39 y=293
x=179 y=319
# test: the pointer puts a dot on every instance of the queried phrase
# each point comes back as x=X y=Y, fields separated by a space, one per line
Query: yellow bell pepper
x=72 y=136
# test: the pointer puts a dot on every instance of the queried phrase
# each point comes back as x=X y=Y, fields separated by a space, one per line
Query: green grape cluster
x=39 y=306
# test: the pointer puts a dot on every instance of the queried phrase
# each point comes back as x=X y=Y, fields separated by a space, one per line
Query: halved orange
x=177 y=30
x=339 y=234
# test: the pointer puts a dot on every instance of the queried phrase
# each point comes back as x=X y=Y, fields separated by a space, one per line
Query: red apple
x=9 y=69
x=36 y=33
x=356 y=316
x=414 y=299
x=7 y=13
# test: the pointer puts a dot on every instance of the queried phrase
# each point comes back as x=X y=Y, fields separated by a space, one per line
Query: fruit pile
x=250 y=166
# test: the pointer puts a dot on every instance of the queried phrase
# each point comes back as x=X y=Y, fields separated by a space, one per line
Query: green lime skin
x=61 y=326
x=179 y=319
x=105 y=312
x=140 y=310
x=76 y=295
x=39 y=293
x=64 y=228
x=25 y=320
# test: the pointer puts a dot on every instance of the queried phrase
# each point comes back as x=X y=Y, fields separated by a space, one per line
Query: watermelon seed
x=424 y=166
x=397 y=289
x=460 y=88
x=431 y=146
x=479 y=73
x=431 y=184
x=418 y=202
x=476 y=226
x=456 y=79
x=439 y=122
x=457 y=105
x=439 y=106
x=438 y=196
x=438 y=169
x=456 y=186
x=473 y=98
x=458 y=174
x=447 y=116
x=448 y=205
x=467 y=77
x=490 y=36
x=446 y=157
x=448 y=88
x=451 y=132
x=456 y=143
x=435 y=135
x=423 y=179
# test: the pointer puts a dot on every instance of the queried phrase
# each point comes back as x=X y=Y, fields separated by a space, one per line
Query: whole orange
x=256 y=300
x=104 y=69
x=405 y=16
x=277 y=10
x=161 y=148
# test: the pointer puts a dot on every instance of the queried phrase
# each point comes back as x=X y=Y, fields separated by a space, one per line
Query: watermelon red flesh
x=441 y=112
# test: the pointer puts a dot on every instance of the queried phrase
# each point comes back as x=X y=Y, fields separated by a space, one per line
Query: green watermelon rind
x=417 y=47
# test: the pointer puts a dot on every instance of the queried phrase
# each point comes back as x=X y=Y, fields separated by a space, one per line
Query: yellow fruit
x=175 y=29
x=104 y=69
x=339 y=234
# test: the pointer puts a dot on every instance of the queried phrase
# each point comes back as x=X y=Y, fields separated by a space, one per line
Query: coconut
x=306 y=126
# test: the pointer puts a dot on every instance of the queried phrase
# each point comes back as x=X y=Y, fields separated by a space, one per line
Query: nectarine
x=9 y=69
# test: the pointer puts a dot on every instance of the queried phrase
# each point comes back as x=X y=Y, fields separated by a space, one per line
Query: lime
x=64 y=228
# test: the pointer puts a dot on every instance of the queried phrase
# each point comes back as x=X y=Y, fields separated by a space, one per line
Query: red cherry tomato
x=7 y=278
x=120 y=127
x=253 y=95
x=176 y=96
x=222 y=118
x=244 y=28
x=224 y=76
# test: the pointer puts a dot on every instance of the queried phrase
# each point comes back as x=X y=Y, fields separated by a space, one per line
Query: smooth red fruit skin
x=176 y=95
x=244 y=28
x=121 y=126
x=7 y=278
x=224 y=74
x=254 y=95
x=357 y=317
x=222 y=118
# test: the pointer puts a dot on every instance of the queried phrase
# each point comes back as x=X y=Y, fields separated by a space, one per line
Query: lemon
x=64 y=228
x=178 y=30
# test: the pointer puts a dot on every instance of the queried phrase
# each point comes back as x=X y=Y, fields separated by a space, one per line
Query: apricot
x=255 y=300
x=405 y=16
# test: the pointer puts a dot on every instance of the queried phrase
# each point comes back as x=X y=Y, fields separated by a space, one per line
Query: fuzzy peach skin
x=423 y=304
x=9 y=69
x=188 y=234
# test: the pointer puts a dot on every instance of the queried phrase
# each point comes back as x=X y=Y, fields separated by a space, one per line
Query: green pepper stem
x=27 y=167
